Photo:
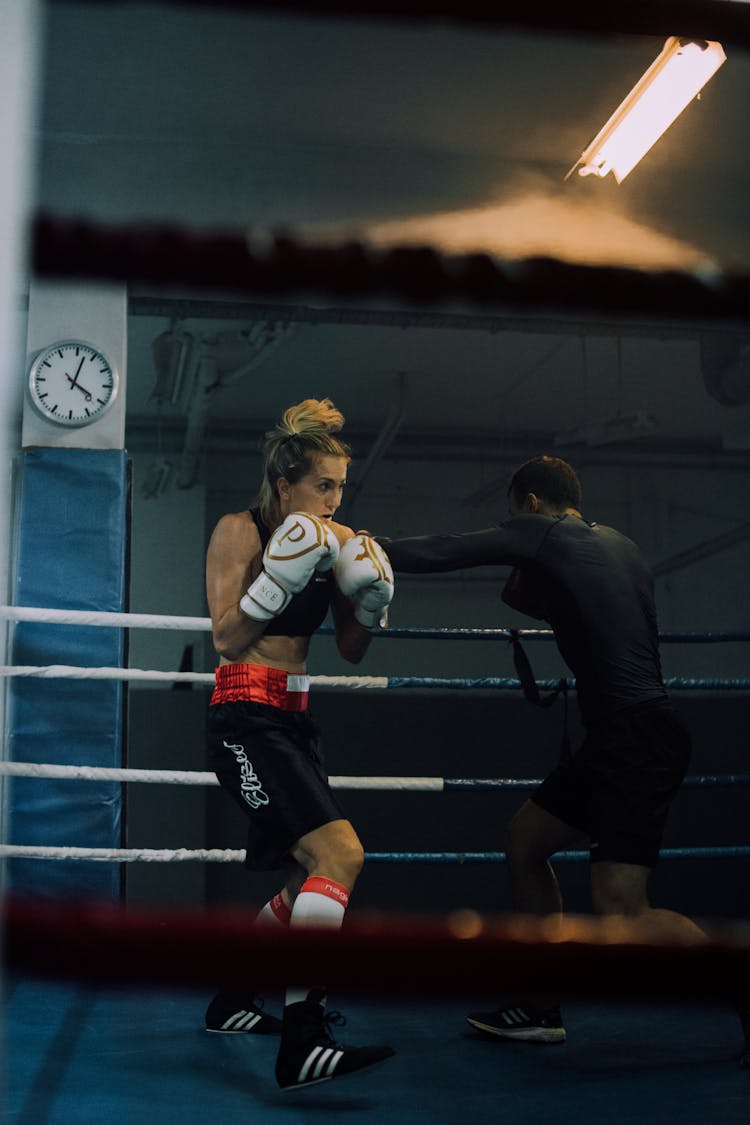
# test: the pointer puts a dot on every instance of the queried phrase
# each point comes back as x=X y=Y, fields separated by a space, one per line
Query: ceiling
x=395 y=132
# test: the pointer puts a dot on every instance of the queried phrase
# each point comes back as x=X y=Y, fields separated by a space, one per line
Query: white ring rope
x=184 y=777
x=74 y=672
x=95 y=617
x=126 y=855
x=198 y=777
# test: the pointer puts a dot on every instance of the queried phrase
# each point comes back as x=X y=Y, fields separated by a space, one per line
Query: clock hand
x=74 y=383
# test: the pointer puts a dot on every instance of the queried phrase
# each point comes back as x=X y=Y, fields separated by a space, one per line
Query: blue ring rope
x=728 y=852
x=507 y=683
x=504 y=634
x=697 y=781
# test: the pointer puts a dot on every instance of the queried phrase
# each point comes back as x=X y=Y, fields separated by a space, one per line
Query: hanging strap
x=531 y=691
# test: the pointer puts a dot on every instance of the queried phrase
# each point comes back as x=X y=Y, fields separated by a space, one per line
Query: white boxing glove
x=299 y=546
x=364 y=573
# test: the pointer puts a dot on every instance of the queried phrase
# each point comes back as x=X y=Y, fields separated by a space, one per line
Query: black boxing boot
x=308 y=1054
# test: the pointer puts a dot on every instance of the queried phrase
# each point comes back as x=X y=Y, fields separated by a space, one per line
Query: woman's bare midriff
x=286 y=653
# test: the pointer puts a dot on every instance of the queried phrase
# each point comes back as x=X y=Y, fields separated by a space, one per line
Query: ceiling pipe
x=702 y=550
x=172 y=354
x=455 y=446
x=220 y=365
x=205 y=386
x=532 y=321
x=384 y=439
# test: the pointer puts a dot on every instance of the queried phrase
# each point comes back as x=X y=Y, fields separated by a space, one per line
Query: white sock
x=321 y=903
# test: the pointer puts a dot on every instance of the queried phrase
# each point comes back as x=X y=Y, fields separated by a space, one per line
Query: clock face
x=72 y=383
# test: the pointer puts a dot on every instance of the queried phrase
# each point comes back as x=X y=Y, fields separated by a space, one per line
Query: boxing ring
x=84 y=965
x=73 y=618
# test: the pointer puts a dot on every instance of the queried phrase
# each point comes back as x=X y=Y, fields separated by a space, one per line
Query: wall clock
x=72 y=383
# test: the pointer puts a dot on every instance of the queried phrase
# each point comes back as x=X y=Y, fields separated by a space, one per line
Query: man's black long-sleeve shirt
x=588 y=581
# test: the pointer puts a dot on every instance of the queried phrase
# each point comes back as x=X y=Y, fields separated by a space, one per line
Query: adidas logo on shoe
x=308 y=1066
x=240 y=1021
x=308 y=1054
x=233 y=1018
x=523 y=1022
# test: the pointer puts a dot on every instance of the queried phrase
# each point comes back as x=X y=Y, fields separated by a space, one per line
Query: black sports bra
x=308 y=609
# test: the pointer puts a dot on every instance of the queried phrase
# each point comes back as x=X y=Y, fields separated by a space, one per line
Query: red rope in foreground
x=707 y=19
x=461 y=954
x=229 y=261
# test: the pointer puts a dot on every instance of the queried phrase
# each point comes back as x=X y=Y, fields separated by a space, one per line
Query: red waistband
x=258 y=684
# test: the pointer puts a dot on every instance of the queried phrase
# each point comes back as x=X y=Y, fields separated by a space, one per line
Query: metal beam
x=391 y=426
x=205 y=308
x=702 y=550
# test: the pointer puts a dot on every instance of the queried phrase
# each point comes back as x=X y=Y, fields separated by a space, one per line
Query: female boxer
x=272 y=572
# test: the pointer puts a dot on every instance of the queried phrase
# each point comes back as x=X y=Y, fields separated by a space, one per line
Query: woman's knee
x=333 y=850
x=350 y=858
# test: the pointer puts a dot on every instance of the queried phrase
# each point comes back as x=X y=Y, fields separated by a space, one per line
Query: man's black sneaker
x=308 y=1054
x=233 y=1014
x=521 y=1021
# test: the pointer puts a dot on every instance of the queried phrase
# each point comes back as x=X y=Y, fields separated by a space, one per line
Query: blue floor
x=78 y=1056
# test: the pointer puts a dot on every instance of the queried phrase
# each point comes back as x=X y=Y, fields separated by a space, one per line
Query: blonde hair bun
x=310 y=416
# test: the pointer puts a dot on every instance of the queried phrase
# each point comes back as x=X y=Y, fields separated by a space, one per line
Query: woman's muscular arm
x=233 y=560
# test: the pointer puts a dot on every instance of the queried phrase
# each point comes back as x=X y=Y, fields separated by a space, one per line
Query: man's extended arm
x=507 y=543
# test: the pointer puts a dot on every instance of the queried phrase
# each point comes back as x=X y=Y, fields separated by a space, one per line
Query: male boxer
x=593 y=587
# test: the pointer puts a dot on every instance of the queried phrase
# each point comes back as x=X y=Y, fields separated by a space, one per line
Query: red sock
x=275 y=913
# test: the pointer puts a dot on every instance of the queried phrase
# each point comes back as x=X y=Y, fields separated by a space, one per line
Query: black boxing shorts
x=265 y=751
x=617 y=788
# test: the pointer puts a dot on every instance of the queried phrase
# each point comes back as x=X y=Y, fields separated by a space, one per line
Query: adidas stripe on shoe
x=309 y=1055
x=309 y=1065
x=319 y=1065
x=524 y=1022
x=231 y=1016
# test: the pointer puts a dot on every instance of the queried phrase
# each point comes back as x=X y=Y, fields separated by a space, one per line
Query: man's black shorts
x=269 y=761
x=618 y=787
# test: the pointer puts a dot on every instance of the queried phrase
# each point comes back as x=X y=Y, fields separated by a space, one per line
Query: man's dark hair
x=551 y=479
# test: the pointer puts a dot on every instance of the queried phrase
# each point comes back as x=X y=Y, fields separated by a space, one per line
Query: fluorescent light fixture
x=668 y=86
